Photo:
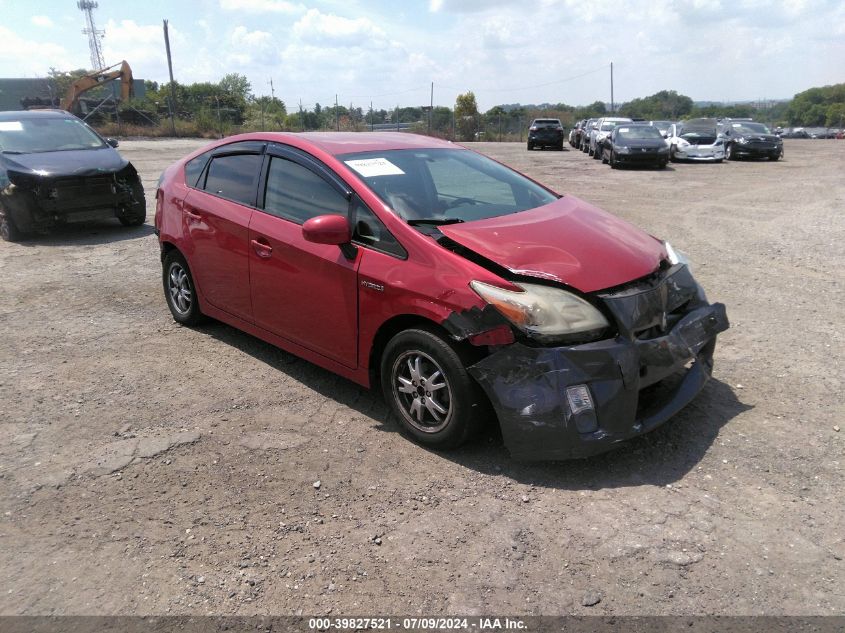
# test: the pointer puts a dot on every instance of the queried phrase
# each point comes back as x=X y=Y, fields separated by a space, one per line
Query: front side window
x=297 y=194
x=234 y=177
x=445 y=185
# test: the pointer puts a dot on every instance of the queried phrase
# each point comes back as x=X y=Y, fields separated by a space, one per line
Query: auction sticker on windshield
x=11 y=126
x=369 y=167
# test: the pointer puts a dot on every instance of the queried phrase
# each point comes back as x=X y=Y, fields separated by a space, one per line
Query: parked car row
x=617 y=140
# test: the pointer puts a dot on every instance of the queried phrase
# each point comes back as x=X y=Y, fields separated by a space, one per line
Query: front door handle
x=193 y=215
x=261 y=249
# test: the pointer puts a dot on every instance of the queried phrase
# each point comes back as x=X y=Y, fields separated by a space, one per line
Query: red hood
x=568 y=241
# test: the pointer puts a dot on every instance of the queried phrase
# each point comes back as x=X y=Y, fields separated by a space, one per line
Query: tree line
x=229 y=104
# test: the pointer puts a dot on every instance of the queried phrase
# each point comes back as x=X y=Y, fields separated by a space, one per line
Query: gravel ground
x=147 y=468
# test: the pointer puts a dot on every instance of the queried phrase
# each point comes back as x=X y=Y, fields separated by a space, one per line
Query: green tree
x=466 y=116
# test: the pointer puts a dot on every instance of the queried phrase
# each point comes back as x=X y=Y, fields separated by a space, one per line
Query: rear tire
x=180 y=291
x=442 y=417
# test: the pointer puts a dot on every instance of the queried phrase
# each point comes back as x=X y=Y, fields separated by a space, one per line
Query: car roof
x=337 y=143
x=17 y=115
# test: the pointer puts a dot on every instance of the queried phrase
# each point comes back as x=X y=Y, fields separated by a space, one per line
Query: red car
x=468 y=291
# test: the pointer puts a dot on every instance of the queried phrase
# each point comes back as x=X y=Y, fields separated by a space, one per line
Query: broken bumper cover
x=528 y=386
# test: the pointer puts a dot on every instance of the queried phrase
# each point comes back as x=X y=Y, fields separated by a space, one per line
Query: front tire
x=180 y=291
x=612 y=160
x=8 y=229
x=427 y=387
x=729 y=153
x=137 y=214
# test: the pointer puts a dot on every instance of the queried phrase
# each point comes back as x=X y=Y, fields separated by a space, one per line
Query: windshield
x=30 y=135
x=609 y=125
x=750 y=128
x=445 y=185
x=637 y=132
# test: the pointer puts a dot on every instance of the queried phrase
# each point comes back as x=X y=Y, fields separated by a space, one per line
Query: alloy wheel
x=422 y=391
x=179 y=289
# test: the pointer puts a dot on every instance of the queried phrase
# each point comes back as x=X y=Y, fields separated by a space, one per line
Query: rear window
x=547 y=123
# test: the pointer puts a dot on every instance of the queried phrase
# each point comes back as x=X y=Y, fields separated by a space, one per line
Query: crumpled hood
x=568 y=241
x=87 y=162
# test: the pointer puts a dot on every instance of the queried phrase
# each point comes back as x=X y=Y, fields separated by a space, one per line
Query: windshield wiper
x=11 y=151
x=434 y=221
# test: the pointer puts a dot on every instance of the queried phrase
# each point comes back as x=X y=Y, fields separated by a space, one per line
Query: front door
x=301 y=291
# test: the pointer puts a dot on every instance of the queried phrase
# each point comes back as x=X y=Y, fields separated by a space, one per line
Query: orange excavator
x=99 y=78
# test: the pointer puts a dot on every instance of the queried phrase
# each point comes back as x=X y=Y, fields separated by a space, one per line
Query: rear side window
x=297 y=194
x=234 y=177
x=193 y=169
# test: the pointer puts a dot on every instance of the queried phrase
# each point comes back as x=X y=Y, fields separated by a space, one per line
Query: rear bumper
x=527 y=387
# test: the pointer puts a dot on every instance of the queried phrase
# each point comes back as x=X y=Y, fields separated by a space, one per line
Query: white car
x=604 y=126
x=696 y=140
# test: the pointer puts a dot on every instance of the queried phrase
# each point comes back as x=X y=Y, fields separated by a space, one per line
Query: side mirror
x=666 y=135
x=327 y=229
x=112 y=142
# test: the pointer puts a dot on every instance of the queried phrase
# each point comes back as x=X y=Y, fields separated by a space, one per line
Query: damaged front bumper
x=37 y=203
x=657 y=364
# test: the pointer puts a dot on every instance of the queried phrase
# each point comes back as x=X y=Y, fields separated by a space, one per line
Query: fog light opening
x=581 y=408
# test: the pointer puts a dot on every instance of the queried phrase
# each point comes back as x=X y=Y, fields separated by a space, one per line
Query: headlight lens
x=675 y=257
x=742 y=140
x=621 y=149
x=682 y=143
x=543 y=310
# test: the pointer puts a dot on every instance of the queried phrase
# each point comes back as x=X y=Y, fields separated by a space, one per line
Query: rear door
x=217 y=215
x=301 y=291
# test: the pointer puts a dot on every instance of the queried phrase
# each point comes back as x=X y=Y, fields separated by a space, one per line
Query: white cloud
x=262 y=6
x=42 y=21
x=16 y=53
x=327 y=28
x=242 y=36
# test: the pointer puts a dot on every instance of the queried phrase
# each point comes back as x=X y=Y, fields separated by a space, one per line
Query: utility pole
x=397 y=117
x=431 y=108
x=371 y=117
x=272 y=90
x=612 y=101
x=172 y=83
x=336 y=115
x=301 y=116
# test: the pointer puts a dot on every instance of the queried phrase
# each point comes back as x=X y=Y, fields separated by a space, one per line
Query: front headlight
x=742 y=140
x=543 y=310
x=675 y=257
x=621 y=149
x=682 y=142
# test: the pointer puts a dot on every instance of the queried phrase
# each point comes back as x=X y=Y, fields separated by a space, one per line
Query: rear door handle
x=193 y=215
x=261 y=249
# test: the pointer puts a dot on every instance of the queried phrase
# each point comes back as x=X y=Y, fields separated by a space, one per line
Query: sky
x=388 y=52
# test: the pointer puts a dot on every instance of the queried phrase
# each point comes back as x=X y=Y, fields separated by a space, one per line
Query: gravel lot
x=147 y=468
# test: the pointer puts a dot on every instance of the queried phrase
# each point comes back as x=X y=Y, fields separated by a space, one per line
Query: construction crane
x=100 y=78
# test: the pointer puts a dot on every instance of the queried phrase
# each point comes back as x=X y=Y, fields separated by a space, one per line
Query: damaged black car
x=55 y=170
